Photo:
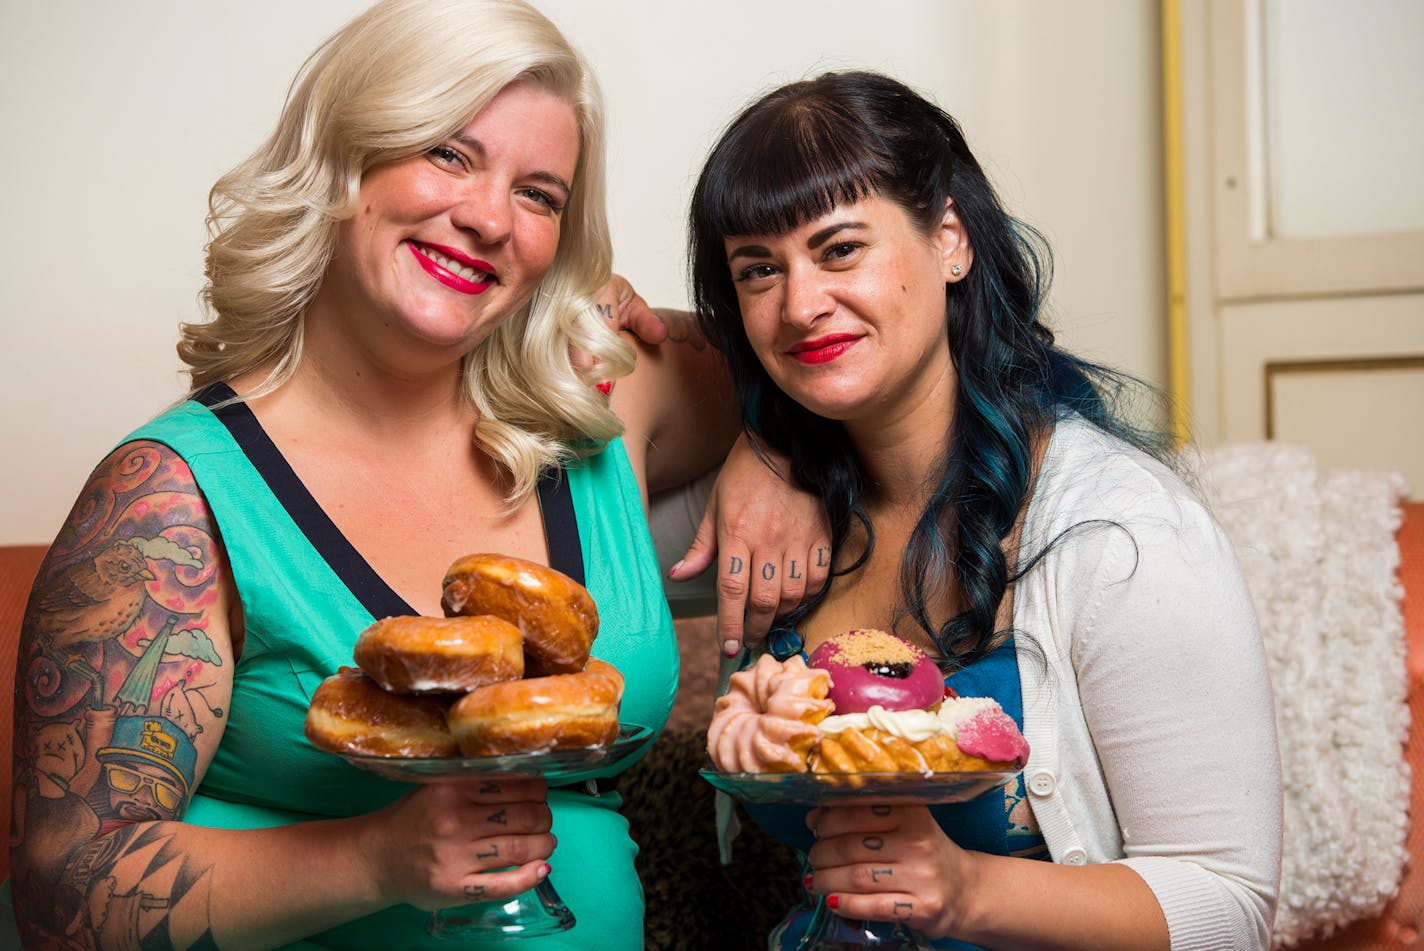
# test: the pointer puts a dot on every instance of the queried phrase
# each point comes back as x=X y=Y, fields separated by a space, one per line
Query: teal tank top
x=307 y=593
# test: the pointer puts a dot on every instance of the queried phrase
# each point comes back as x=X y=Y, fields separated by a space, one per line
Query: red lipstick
x=445 y=275
x=823 y=349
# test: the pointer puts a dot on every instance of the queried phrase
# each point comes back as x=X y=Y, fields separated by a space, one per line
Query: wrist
x=362 y=843
x=957 y=919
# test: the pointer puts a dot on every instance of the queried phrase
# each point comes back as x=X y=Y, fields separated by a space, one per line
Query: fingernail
x=544 y=871
x=730 y=648
x=674 y=569
x=605 y=387
x=807 y=881
x=833 y=902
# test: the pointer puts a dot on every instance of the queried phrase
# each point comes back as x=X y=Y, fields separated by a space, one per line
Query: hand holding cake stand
x=868 y=722
x=539 y=911
x=825 y=929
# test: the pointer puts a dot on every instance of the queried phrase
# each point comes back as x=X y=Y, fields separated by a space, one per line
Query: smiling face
x=446 y=245
x=846 y=312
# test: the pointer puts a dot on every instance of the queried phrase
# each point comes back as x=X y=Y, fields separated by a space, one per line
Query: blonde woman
x=398 y=281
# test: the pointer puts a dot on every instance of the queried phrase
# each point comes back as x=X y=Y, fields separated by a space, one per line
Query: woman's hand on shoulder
x=770 y=540
x=624 y=310
x=448 y=844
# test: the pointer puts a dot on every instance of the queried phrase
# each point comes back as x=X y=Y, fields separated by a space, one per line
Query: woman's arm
x=769 y=538
x=894 y=863
x=124 y=676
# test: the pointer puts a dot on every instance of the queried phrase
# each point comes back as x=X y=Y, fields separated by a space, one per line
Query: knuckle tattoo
x=873 y=842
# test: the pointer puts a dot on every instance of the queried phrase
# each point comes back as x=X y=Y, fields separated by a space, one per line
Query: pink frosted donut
x=871 y=668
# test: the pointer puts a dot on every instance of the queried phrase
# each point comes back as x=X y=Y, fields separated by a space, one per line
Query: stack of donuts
x=507 y=670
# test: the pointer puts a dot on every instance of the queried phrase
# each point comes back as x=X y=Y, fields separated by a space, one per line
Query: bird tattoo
x=93 y=601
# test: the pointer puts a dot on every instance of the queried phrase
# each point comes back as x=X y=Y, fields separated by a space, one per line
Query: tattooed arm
x=125 y=671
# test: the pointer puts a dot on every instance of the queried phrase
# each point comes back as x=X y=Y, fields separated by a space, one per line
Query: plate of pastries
x=504 y=682
x=867 y=716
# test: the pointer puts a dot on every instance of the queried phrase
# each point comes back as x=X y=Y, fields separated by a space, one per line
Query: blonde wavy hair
x=394 y=82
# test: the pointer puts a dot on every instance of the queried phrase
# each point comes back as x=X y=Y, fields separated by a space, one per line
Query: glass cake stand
x=539 y=911
x=825 y=929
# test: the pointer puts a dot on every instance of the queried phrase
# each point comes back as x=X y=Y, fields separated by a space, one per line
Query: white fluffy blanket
x=1318 y=550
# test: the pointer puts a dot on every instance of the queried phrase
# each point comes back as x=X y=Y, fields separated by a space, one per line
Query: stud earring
x=956 y=270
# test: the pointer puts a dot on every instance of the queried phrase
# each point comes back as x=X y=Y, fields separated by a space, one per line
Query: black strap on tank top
x=555 y=503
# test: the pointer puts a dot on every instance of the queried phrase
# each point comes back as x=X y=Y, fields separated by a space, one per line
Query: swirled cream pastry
x=766 y=722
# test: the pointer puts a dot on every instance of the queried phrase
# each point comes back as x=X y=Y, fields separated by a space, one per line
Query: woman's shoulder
x=1091 y=474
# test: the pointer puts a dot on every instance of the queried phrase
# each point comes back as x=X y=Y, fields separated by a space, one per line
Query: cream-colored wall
x=118 y=117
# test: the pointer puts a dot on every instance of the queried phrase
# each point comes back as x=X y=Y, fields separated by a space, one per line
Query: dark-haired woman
x=881 y=314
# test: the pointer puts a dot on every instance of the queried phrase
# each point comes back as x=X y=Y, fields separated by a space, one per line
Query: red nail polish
x=605 y=387
x=807 y=881
x=833 y=902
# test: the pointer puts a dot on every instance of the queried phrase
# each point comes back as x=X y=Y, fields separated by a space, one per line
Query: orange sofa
x=669 y=773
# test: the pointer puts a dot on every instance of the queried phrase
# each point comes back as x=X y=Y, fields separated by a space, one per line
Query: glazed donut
x=440 y=655
x=555 y=613
x=558 y=712
x=872 y=668
x=350 y=713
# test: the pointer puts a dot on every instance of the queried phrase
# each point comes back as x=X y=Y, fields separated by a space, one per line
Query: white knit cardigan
x=1147 y=704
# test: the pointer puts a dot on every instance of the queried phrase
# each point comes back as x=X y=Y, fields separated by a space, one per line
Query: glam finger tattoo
x=873 y=842
x=880 y=810
x=493 y=853
x=792 y=573
x=489 y=788
x=821 y=560
x=902 y=909
x=498 y=818
x=768 y=571
x=604 y=310
x=734 y=565
x=474 y=892
x=878 y=873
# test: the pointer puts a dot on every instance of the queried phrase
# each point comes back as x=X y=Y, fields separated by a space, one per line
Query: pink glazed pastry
x=871 y=668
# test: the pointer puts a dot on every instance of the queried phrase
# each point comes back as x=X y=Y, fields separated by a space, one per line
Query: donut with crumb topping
x=871 y=668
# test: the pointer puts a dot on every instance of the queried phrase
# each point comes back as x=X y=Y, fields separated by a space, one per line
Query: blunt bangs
x=777 y=169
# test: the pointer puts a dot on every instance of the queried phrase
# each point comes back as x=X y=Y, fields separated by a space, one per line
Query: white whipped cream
x=913 y=726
